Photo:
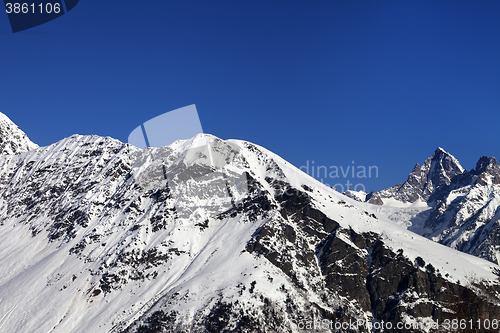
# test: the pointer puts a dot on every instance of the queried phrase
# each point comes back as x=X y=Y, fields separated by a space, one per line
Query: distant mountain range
x=207 y=235
x=463 y=205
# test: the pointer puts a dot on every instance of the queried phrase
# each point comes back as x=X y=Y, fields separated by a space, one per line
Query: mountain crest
x=436 y=173
x=207 y=235
x=487 y=170
x=487 y=164
x=417 y=170
x=12 y=139
x=462 y=204
x=442 y=166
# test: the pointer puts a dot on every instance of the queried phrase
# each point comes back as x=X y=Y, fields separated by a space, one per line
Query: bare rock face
x=426 y=181
x=487 y=167
x=12 y=139
x=374 y=198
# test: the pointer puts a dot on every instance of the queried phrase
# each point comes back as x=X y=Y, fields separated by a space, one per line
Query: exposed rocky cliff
x=428 y=181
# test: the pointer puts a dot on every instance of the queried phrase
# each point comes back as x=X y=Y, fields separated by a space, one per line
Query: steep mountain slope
x=12 y=139
x=208 y=235
x=460 y=207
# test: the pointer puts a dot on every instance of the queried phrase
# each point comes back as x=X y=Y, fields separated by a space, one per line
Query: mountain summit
x=458 y=207
x=426 y=182
x=207 y=235
x=12 y=139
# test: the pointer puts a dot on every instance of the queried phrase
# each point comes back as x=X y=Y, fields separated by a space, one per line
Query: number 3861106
x=25 y=8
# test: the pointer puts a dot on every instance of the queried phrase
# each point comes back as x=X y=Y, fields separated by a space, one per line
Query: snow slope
x=205 y=235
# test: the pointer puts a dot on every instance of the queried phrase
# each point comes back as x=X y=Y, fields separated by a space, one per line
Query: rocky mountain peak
x=374 y=198
x=442 y=167
x=487 y=164
x=463 y=204
x=12 y=139
x=487 y=168
x=207 y=235
x=427 y=180
x=416 y=170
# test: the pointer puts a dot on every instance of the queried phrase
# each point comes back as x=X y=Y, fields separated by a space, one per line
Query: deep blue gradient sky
x=379 y=83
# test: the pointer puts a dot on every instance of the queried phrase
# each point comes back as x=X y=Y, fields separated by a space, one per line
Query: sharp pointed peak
x=440 y=151
x=441 y=154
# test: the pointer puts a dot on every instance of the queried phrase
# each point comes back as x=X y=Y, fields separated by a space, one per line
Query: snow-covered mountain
x=426 y=183
x=448 y=204
x=207 y=235
x=12 y=139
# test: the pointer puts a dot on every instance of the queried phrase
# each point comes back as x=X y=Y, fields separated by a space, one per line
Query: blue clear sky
x=380 y=83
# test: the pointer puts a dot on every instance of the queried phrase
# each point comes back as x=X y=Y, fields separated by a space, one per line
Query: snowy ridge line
x=392 y=232
x=98 y=238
